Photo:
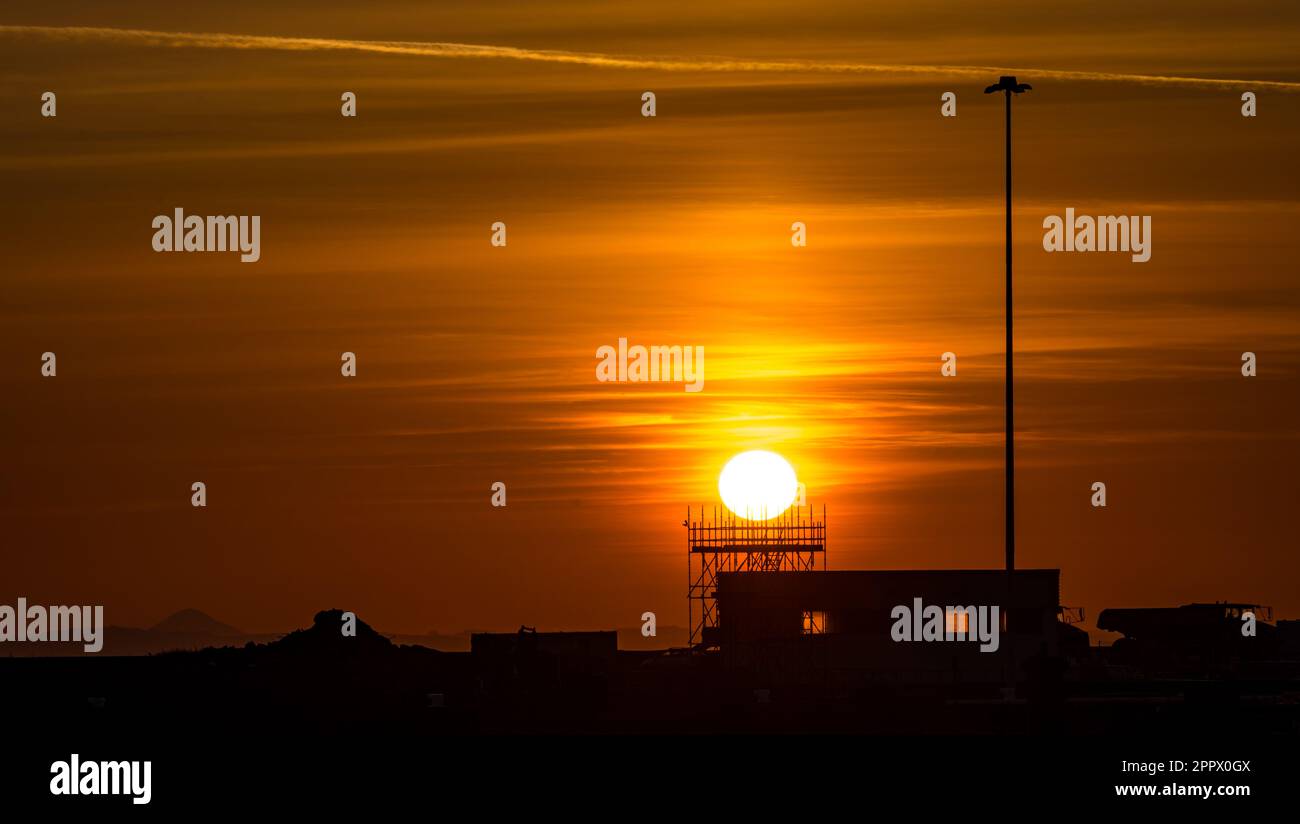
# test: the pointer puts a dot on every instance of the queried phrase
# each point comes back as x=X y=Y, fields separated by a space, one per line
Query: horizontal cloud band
x=674 y=64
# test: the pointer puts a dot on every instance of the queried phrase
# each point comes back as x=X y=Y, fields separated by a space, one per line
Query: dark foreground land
x=314 y=720
x=315 y=682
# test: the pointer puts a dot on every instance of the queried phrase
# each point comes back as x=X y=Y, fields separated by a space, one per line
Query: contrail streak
x=203 y=40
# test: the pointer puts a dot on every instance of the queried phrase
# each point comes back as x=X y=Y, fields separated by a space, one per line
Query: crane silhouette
x=1008 y=86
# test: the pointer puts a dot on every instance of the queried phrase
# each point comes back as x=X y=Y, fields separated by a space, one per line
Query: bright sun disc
x=758 y=485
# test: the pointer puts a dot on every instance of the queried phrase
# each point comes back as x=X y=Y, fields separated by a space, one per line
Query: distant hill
x=192 y=629
x=325 y=636
x=194 y=622
x=435 y=640
x=629 y=638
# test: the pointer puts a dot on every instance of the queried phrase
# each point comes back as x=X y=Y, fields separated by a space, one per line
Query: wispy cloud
x=164 y=39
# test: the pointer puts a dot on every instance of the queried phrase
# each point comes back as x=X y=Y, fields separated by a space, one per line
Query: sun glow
x=758 y=485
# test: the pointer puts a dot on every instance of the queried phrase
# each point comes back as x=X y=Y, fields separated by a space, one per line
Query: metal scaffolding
x=724 y=542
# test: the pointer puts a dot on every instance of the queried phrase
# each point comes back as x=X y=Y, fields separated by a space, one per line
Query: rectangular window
x=958 y=622
x=814 y=622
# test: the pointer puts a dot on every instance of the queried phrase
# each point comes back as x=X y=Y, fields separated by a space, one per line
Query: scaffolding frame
x=725 y=542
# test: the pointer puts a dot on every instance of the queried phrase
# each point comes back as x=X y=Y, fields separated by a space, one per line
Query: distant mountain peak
x=194 y=622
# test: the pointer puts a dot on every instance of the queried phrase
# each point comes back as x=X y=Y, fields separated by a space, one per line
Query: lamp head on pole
x=1008 y=84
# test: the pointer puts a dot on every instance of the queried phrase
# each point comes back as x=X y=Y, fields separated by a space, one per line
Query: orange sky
x=477 y=364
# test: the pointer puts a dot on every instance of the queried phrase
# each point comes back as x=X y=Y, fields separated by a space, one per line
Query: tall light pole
x=1008 y=86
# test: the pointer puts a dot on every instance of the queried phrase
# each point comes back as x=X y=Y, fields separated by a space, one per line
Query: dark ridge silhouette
x=325 y=637
x=629 y=638
x=317 y=681
x=194 y=622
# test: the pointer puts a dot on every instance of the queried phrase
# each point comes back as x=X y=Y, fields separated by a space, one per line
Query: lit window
x=958 y=621
x=814 y=622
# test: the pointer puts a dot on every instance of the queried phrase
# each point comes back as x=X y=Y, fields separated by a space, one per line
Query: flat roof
x=845 y=586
